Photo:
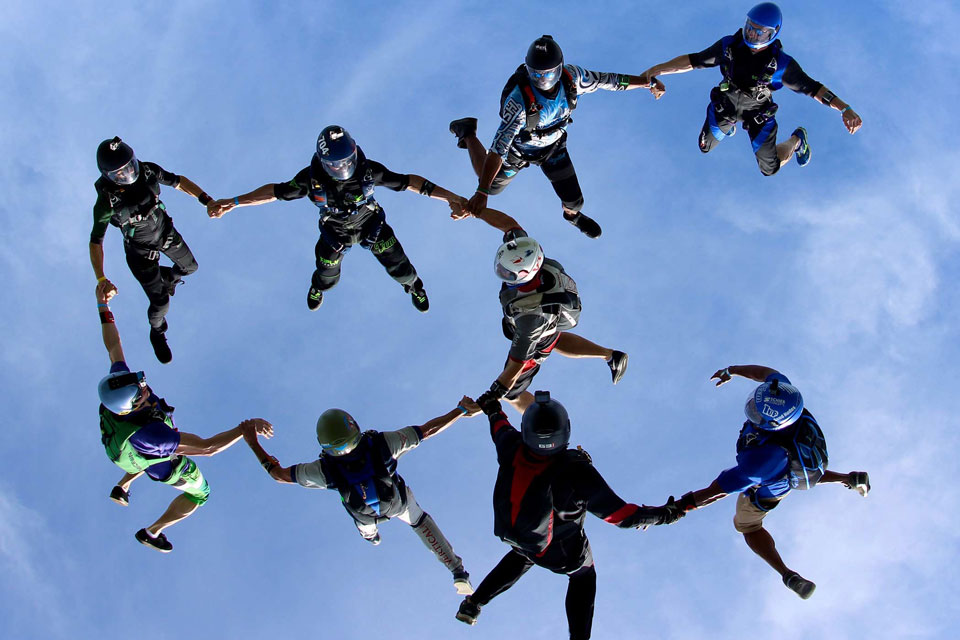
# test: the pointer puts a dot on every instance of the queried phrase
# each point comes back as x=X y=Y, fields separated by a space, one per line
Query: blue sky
x=841 y=274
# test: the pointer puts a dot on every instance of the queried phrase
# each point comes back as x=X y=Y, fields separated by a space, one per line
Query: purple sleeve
x=156 y=439
x=119 y=365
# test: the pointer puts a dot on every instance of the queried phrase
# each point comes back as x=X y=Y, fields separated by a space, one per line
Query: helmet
x=762 y=26
x=337 y=152
x=518 y=261
x=120 y=391
x=545 y=427
x=337 y=432
x=544 y=62
x=116 y=162
x=774 y=405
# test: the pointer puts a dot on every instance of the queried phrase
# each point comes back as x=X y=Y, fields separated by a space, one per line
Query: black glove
x=686 y=502
x=489 y=401
x=671 y=512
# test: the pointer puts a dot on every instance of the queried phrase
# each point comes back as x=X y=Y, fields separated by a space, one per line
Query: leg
x=466 y=131
x=558 y=168
x=761 y=543
x=174 y=247
x=327 y=274
x=786 y=148
x=127 y=480
x=721 y=121
x=503 y=576
x=518 y=396
x=763 y=138
x=145 y=266
x=389 y=252
x=521 y=402
x=573 y=346
x=121 y=492
x=581 y=595
x=181 y=507
x=428 y=531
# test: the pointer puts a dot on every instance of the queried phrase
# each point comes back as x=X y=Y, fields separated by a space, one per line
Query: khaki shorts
x=749 y=517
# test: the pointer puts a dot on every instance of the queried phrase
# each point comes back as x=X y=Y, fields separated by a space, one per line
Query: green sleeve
x=102 y=212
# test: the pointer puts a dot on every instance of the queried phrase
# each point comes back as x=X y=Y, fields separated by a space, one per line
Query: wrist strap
x=236 y=200
x=101 y=279
x=462 y=408
x=483 y=190
x=204 y=198
x=845 y=109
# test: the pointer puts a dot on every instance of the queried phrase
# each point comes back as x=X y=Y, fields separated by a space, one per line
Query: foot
x=587 y=225
x=803 y=150
x=160 y=542
x=121 y=497
x=375 y=540
x=463 y=128
x=859 y=481
x=469 y=611
x=799 y=585
x=461 y=582
x=314 y=299
x=159 y=341
x=618 y=365
x=418 y=296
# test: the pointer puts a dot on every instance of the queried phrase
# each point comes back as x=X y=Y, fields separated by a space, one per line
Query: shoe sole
x=146 y=542
x=622 y=370
x=802 y=134
x=466 y=619
x=122 y=503
x=464 y=588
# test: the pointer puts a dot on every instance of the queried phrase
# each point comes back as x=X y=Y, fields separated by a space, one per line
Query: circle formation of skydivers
x=544 y=489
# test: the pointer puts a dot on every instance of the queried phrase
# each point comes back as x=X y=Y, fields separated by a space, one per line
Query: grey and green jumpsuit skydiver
x=349 y=214
x=148 y=231
x=373 y=492
x=146 y=441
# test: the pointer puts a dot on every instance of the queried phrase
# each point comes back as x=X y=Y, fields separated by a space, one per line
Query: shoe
x=375 y=540
x=419 y=297
x=587 y=225
x=160 y=543
x=160 y=347
x=859 y=482
x=314 y=299
x=461 y=582
x=803 y=150
x=469 y=611
x=618 y=365
x=799 y=585
x=170 y=281
x=463 y=128
x=120 y=496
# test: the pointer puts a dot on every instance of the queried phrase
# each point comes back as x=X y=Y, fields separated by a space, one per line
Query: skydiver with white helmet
x=362 y=467
x=780 y=448
x=340 y=181
x=535 y=110
x=139 y=435
x=754 y=65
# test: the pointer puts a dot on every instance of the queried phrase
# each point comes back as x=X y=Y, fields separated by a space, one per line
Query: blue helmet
x=774 y=405
x=337 y=152
x=545 y=426
x=762 y=26
x=120 y=391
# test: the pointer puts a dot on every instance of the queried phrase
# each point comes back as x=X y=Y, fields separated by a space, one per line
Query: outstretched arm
x=426 y=188
x=701 y=498
x=496 y=219
x=680 y=64
x=491 y=167
x=466 y=407
x=194 y=445
x=270 y=464
x=603 y=502
x=851 y=120
x=755 y=372
x=260 y=195
x=190 y=188
x=111 y=337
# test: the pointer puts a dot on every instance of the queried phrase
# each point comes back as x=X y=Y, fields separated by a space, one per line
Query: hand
x=657 y=88
x=217 y=208
x=470 y=405
x=477 y=203
x=457 y=210
x=105 y=291
x=489 y=403
x=851 y=120
x=721 y=376
x=256 y=427
x=671 y=512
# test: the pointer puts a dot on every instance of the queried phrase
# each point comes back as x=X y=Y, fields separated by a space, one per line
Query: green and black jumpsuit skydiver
x=746 y=94
x=373 y=492
x=147 y=231
x=349 y=214
x=539 y=505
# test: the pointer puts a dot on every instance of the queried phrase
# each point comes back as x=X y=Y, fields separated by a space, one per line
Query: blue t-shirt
x=765 y=467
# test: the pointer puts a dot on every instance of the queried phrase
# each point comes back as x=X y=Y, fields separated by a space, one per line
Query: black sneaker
x=587 y=225
x=618 y=365
x=469 y=611
x=799 y=585
x=314 y=299
x=160 y=347
x=418 y=296
x=461 y=582
x=375 y=540
x=120 y=496
x=860 y=482
x=160 y=543
x=463 y=128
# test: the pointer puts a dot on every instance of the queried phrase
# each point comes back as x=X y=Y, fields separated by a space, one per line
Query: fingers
x=470 y=405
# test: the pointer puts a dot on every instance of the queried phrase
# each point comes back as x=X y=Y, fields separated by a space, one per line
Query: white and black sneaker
x=618 y=365
x=461 y=582
x=469 y=611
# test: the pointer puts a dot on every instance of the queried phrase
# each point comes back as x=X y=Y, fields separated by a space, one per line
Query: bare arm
x=755 y=372
x=426 y=188
x=491 y=166
x=438 y=424
x=260 y=195
x=111 y=337
x=511 y=373
x=105 y=288
x=680 y=64
x=270 y=464
x=701 y=498
x=193 y=445
x=496 y=219
x=190 y=188
x=851 y=120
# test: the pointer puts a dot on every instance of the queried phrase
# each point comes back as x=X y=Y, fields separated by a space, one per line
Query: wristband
x=845 y=109
x=426 y=189
x=497 y=389
x=484 y=191
x=204 y=198
x=106 y=317
x=462 y=408
x=236 y=201
x=101 y=305
x=268 y=464
x=726 y=371
x=101 y=279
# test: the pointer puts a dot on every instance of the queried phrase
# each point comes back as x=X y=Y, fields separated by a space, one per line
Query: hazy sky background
x=841 y=274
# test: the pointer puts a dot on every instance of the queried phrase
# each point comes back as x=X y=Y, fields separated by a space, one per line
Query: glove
x=671 y=512
x=489 y=401
x=686 y=502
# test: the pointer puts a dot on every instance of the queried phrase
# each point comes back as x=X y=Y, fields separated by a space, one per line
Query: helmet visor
x=751 y=411
x=544 y=79
x=340 y=169
x=342 y=448
x=127 y=174
x=514 y=277
x=757 y=35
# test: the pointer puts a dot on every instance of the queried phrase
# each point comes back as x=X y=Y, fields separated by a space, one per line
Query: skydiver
x=754 y=65
x=780 y=448
x=139 y=435
x=535 y=110
x=340 y=181
x=542 y=495
x=128 y=197
x=362 y=467
x=540 y=305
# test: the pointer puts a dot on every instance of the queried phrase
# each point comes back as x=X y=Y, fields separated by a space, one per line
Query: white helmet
x=518 y=261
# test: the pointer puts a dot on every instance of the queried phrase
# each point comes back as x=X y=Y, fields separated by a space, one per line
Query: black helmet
x=544 y=62
x=337 y=152
x=545 y=426
x=116 y=161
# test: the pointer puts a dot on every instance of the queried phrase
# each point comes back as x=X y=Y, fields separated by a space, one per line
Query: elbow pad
x=426 y=189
